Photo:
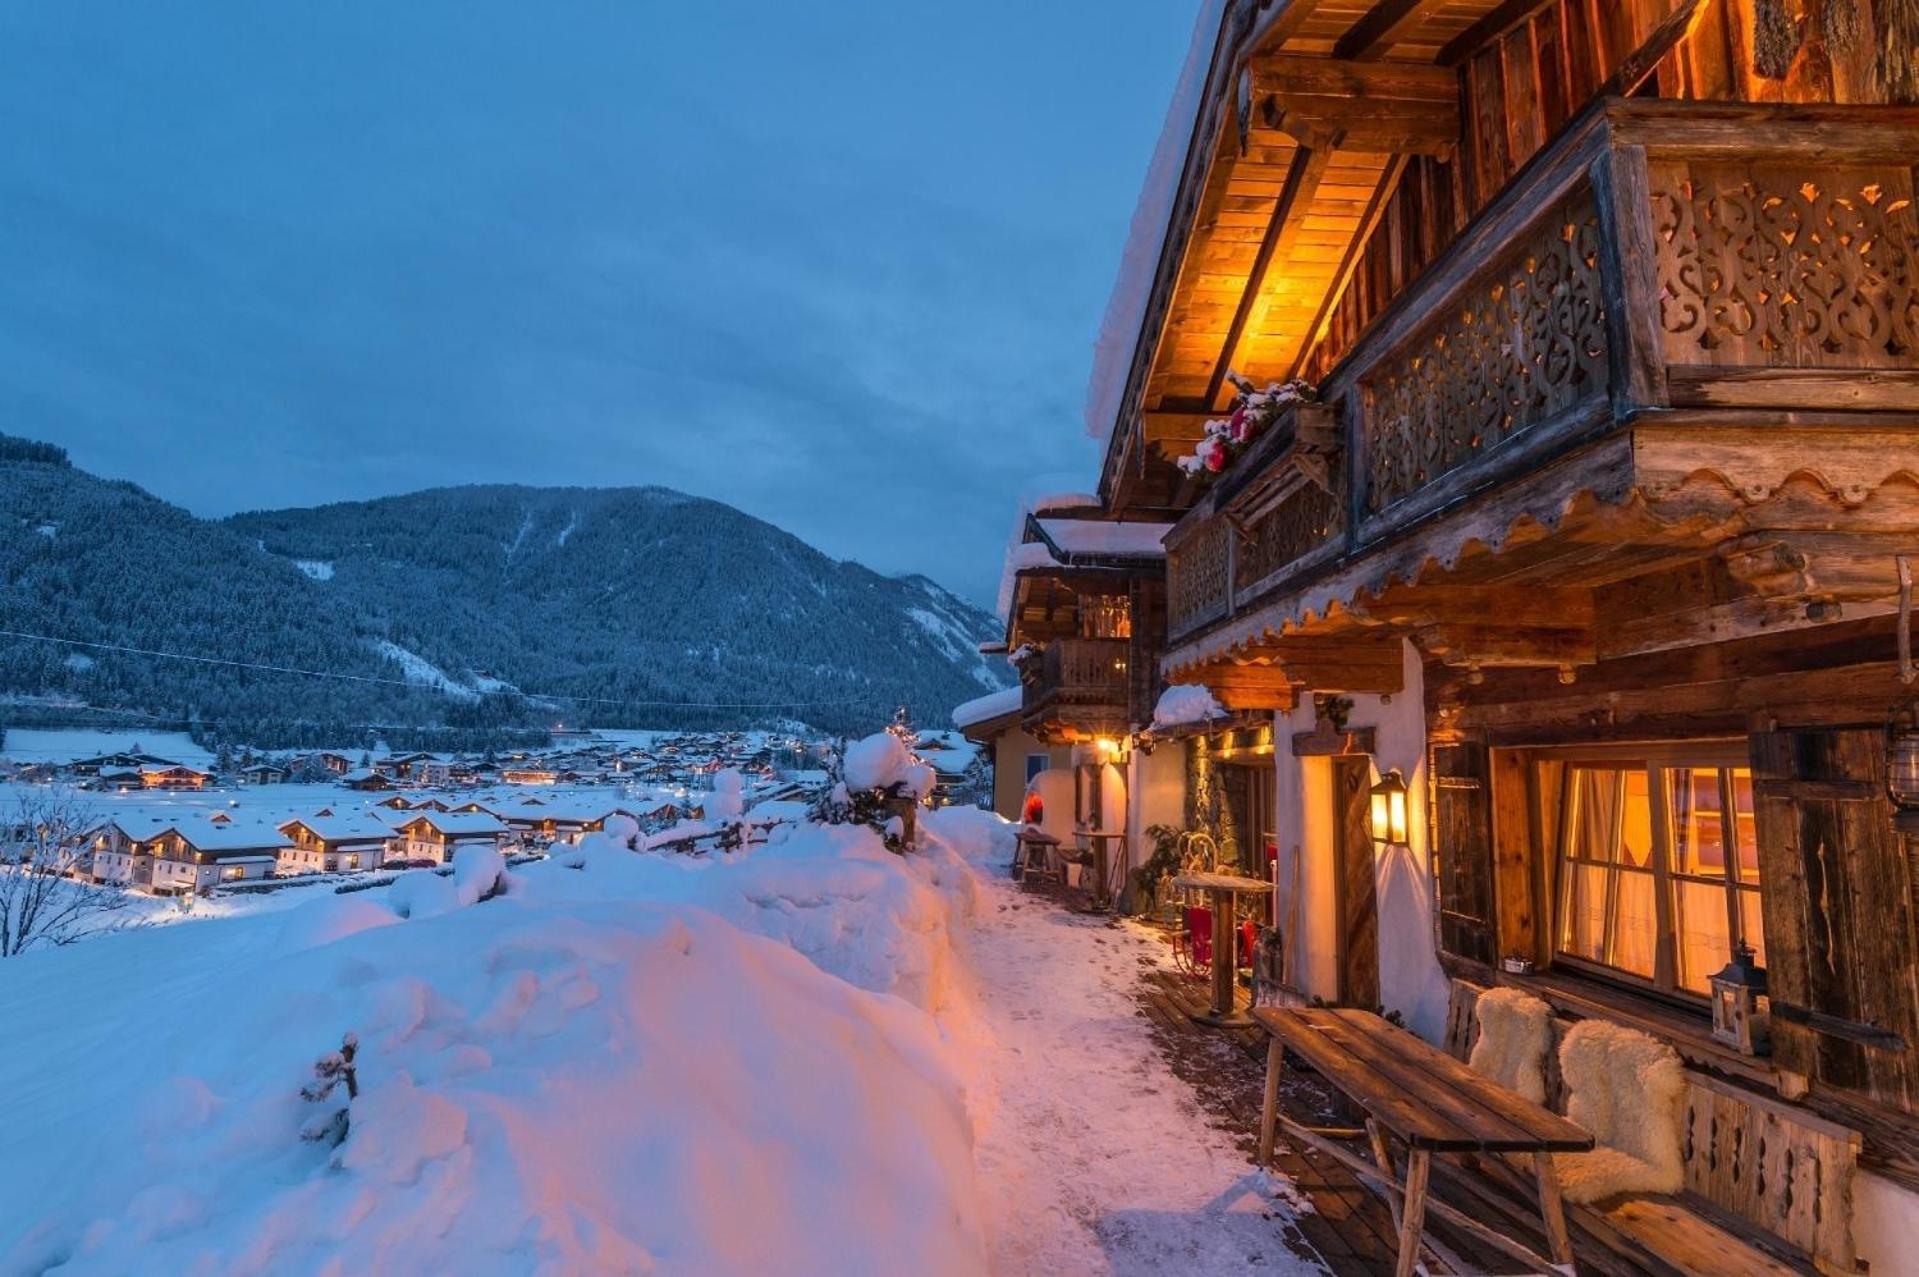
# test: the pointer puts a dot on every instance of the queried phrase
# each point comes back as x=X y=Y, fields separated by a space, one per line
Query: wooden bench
x=1432 y=1103
x=1751 y=1161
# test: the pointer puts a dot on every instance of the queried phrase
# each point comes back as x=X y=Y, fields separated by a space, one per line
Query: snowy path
x=1093 y=1156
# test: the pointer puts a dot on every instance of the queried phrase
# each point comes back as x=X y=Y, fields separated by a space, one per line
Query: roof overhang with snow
x=987 y=716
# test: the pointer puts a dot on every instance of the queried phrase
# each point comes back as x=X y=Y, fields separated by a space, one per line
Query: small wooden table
x=1224 y=889
x=1028 y=843
x=1097 y=841
x=1433 y=1104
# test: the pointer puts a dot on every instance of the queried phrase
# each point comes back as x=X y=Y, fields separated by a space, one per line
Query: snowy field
x=813 y=1057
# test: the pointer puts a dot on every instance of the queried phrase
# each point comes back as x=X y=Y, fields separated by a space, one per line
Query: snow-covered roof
x=454 y=824
x=1119 y=331
x=1099 y=537
x=359 y=827
x=207 y=836
x=1058 y=502
x=982 y=709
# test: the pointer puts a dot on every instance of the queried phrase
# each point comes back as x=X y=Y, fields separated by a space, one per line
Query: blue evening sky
x=839 y=263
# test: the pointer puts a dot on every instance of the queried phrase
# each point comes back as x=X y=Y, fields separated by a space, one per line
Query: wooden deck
x=1344 y=1223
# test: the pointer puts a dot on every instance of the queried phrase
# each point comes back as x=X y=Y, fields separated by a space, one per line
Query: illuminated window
x=1658 y=870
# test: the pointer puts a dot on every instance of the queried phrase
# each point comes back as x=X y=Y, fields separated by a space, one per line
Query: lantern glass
x=1902 y=767
x=1387 y=814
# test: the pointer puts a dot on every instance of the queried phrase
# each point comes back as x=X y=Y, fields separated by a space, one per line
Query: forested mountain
x=500 y=608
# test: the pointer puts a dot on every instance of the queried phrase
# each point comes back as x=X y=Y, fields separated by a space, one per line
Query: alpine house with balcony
x=1527 y=392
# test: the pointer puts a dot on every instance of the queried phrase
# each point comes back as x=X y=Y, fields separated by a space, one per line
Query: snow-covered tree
x=45 y=836
x=877 y=782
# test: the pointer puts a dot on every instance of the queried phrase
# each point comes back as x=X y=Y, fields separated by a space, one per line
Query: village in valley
x=234 y=820
x=1436 y=792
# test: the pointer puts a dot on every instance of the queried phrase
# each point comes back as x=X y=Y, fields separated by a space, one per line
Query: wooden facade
x=1597 y=511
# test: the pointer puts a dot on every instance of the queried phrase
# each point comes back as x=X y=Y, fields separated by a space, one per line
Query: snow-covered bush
x=877 y=781
x=479 y=873
x=422 y=893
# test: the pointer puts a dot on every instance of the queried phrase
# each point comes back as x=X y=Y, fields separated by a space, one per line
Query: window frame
x=1657 y=762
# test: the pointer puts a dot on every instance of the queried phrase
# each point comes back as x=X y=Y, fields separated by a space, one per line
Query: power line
x=338 y=676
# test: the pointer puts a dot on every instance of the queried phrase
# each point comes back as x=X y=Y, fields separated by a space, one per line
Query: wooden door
x=1836 y=881
x=1354 y=886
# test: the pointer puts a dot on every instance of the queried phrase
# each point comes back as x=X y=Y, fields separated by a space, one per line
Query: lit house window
x=1658 y=875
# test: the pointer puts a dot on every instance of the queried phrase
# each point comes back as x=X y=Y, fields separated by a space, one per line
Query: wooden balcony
x=1726 y=276
x=1078 y=688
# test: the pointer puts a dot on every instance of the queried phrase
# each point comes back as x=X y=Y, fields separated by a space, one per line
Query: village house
x=337 y=763
x=263 y=774
x=436 y=836
x=1016 y=756
x=164 y=775
x=556 y=822
x=1083 y=597
x=403 y=767
x=529 y=774
x=1524 y=396
x=194 y=856
x=366 y=780
x=333 y=844
x=123 y=850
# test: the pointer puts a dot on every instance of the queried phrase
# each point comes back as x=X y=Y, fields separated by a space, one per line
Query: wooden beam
x=1244 y=687
x=1289 y=211
x=1286 y=22
x=1503 y=18
x=1298 y=75
x=1643 y=61
x=1492 y=644
x=1355 y=664
x=1384 y=25
x=1349 y=262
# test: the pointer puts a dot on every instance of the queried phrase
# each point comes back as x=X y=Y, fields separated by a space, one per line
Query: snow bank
x=569 y=1077
x=878 y=920
x=1185 y=704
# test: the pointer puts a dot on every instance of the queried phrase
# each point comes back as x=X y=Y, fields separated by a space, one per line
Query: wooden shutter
x=1462 y=851
x=1836 y=883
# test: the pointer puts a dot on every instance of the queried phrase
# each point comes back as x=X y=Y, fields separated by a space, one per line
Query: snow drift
x=619 y=1062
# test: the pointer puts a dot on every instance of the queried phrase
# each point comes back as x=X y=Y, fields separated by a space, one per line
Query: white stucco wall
x=1885 y=1226
x=1410 y=978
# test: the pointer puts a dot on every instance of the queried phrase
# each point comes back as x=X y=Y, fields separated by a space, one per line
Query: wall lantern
x=1388 y=817
x=1736 y=990
x=1902 y=771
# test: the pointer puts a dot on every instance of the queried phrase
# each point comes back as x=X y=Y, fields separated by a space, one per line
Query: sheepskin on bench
x=1626 y=1088
x=1515 y=1034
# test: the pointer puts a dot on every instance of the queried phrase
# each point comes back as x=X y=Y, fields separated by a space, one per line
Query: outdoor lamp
x=1388 y=816
x=1736 y=990
x=1902 y=773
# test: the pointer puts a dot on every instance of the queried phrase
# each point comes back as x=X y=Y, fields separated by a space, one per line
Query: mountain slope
x=502 y=606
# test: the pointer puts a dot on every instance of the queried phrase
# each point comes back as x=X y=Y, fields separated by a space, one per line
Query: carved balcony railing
x=1078 y=684
x=1659 y=256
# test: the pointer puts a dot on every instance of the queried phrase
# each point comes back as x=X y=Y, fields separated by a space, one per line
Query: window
x=1035 y=764
x=1658 y=869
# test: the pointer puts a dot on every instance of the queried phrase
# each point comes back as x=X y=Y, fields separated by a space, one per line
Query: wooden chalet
x=195 y=856
x=1589 y=523
x=333 y=844
x=436 y=836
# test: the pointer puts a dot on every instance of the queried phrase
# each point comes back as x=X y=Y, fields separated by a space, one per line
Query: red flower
x=1214 y=457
